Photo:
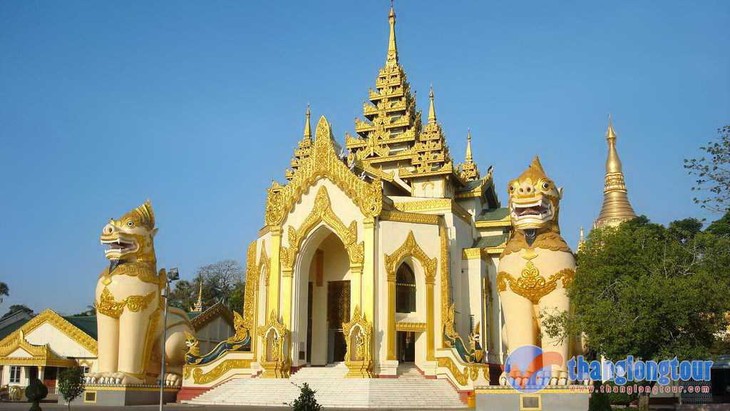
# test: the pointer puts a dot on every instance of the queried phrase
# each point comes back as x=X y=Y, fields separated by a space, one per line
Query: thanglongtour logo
x=633 y=370
x=529 y=369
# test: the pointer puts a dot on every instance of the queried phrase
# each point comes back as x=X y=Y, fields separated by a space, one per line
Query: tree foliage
x=652 y=292
x=713 y=173
x=222 y=281
x=4 y=291
x=71 y=384
x=35 y=393
x=306 y=400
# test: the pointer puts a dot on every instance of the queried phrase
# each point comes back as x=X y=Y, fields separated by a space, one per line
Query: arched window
x=405 y=290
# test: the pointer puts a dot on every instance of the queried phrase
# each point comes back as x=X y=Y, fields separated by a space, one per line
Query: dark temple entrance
x=406 y=346
x=338 y=312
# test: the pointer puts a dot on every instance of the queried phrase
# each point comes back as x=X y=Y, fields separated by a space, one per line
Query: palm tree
x=4 y=290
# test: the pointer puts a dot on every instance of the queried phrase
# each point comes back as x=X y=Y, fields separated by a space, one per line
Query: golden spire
x=431 y=108
x=198 y=307
x=468 y=171
x=581 y=239
x=307 y=127
x=616 y=207
x=302 y=151
x=392 y=57
x=468 y=157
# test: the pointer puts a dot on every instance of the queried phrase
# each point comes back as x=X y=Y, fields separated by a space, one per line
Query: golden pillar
x=286 y=300
x=429 y=320
x=390 y=335
x=355 y=288
x=274 y=275
x=367 y=300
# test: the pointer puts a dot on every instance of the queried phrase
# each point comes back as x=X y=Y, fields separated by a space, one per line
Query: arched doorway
x=321 y=299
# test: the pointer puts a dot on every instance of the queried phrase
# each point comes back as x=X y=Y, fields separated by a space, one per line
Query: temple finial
x=392 y=58
x=581 y=239
x=431 y=107
x=616 y=206
x=307 y=126
x=198 y=307
x=610 y=132
x=468 y=156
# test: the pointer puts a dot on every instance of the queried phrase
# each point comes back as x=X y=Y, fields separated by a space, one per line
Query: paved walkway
x=333 y=390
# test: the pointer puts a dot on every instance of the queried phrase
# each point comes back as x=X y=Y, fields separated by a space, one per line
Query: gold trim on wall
x=51 y=317
x=404 y=217
x=322 y=212
x=436 y=204
x=410 y=327
x=324 y=162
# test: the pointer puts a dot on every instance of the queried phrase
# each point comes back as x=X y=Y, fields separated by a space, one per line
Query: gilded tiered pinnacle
x=616 y=207
x=430 y=153
x=468 y=170
x=391 y=140
x=303 y=150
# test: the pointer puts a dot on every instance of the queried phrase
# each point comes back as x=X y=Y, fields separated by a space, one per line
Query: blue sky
x=198 y=105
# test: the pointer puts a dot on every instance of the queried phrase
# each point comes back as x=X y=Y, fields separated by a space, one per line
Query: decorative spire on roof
x=307 y=126
x=431 y=108
x=388 y=132
x=430 y=153
x=198 y=307
x=616 y=207
x=468 y=171
x=581 y=239
x=392 y=57
x=304 y=148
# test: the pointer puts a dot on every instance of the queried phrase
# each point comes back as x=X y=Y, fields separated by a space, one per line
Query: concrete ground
x=171 y=407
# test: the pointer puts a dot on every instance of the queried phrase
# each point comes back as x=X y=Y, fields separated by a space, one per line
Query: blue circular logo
x=528 y=369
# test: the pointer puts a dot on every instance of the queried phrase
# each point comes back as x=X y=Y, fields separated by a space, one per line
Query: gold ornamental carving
x=447 y=313
x=531 y=284
x=322 y=213
x=410 y=248
x=358 y=337
x=411 y=327
x=414 y=218
x=200 y=377
x=323 y=162
x=275 y=356
x=252 y=280
x=435 y=204
x=107 y=305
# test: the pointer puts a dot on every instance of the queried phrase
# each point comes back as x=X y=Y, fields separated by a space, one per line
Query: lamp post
x=172 y=276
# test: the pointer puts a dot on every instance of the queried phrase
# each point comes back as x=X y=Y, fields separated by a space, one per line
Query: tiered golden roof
x=430 y=153
x=390 y=138
x=616 y=207
x=304 y=149
x=468 y=170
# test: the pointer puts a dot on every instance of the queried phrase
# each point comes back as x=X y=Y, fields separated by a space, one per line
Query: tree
x=35 y=392
x=222 y=281
x=721 y=227
x=4 y=291
x=642 y=289
x=235 y=300
x=71 y=384
x=713 y=173
x=90 y=311
x=306 y=400
x=16 y=307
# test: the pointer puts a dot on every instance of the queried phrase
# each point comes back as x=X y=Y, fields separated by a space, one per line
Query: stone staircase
x=409 y=390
